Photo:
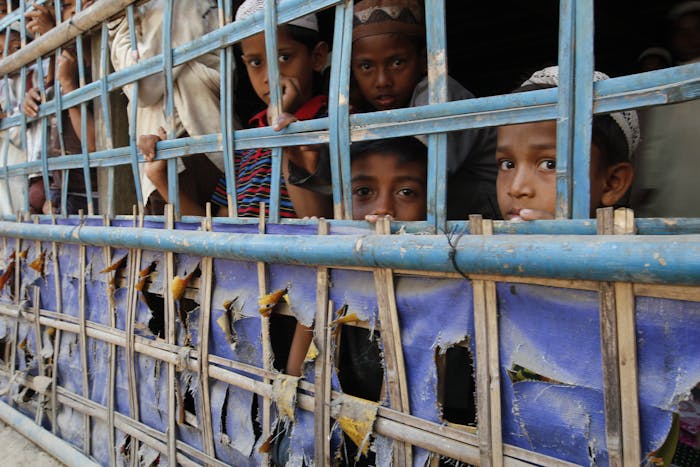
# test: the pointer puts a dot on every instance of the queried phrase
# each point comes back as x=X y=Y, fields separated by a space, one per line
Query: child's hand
x=147 y=144
x=32 y=99
x=283 y=121
x=40 y=20
x=373 y=218
x=532 y=215
x=67 y=73
x=291 y=94
x=156 y=171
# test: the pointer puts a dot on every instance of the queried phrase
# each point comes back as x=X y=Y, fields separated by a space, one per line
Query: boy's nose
x=384 y=207
x=521 y=185
x=383 y=78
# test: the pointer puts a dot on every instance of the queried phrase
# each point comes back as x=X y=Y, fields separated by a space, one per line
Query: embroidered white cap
x=250 y=7
x=627 y=120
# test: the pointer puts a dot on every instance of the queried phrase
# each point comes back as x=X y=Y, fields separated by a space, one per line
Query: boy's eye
x=506 y=164
x=361 y=191
x=549 y=164
x=397 y=62
x=364 y=66
x=407 y=192
x=253 y=62
x=284 y=58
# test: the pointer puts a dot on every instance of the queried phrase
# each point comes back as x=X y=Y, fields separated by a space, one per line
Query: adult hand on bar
x=40 y=20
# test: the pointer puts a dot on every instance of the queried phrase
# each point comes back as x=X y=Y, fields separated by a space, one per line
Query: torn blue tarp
x=552 y=332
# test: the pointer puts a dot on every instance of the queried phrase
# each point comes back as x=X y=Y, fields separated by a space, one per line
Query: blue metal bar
x=437 y=85
x=107 y=121
x=44 y=133
x=173 y=188
x=583 y=109
x=274 y=109
x=83 y=122
x=659 y=87
x=676 y=84
x=565 y=107
x=226 y=66
x=62 y=33
x=644 y=259
x=58 y=99
x=22 y=92
x=338 y=112
x=133 y=151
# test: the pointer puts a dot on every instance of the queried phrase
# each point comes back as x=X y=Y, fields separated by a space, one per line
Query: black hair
x=607 y=134
x=407 y=148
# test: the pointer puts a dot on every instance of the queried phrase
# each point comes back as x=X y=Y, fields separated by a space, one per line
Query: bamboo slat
x=627 y=352
x=266 y=345
x=322 y=377
x=487 y=364
x=609 y=351
x=82 y=336
x=112 y=351
x=393 y=350
x=207 y=268
x=170 y=338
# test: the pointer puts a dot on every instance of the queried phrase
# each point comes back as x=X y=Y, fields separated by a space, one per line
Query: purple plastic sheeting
x=555 y=333
x=552 y=332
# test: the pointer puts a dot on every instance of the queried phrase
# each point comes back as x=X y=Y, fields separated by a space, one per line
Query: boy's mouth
x=385 y=101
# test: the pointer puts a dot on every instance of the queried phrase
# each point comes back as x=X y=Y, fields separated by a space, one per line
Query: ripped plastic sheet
x=556 y=333
x=234 y=437
x=444 y=303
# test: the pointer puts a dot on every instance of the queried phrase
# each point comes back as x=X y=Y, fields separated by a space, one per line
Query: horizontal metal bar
x=47 y=441
x=63 y=33
x=644 y=259
x=659 y=87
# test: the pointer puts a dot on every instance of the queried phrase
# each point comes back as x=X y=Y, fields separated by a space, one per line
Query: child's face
x=382 y=185
x=527 y=158
x=526 y=155
x=387 y=68
x=68 y=8
x=296 y=63
x=13 y=46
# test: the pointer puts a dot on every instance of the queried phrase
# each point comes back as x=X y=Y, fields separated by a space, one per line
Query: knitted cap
x=373 y=17
x=250 y=7
x=682 y=9
x=627 y=120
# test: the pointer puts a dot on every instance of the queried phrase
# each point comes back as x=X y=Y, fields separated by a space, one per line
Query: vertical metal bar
x=565 y=106
x=173 y=188
x=338 y=111
x=134 y=117
x=58 y=98
x=44 y=133
x=83 y=122
x=22 y=92
x=583 y=108
x=104 y=98
x=437 y=143
x=6 y=139
x=226 y=66
x=275 y=105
